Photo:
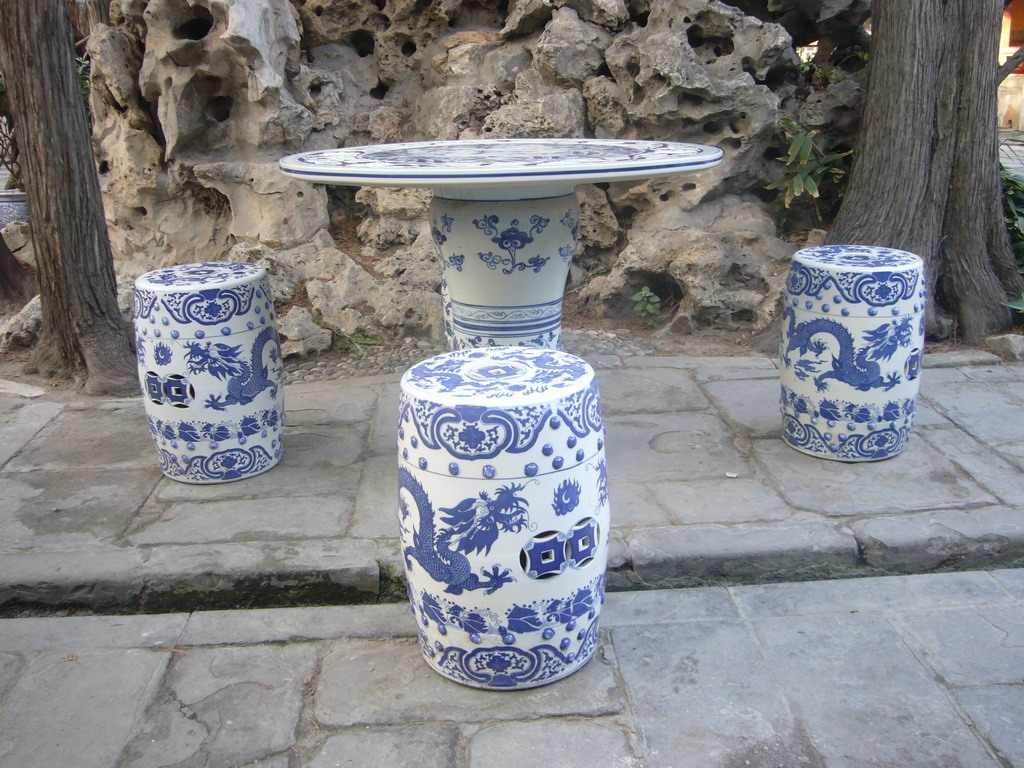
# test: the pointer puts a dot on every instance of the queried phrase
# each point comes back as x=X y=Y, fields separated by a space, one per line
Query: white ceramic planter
x=503 y=268
x=503 y=498
x=210 y=369
x=852 y=342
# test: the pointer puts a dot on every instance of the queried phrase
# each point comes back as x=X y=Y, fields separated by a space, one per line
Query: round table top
x=499 y=162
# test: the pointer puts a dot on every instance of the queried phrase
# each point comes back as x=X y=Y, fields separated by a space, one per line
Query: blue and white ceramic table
x=504 y=217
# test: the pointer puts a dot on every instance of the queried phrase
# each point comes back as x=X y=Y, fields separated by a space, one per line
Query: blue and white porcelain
x=13 y=206
x=210 y=369
x=504 y=516
x=490 y=163
x=852 y=343
x=504 y=217
x=503 y=269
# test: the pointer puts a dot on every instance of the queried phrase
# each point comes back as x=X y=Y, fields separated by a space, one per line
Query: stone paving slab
x=23 y=424
x=742 y=403
x=735 y=500
x=836 y=670
x=913 y=671
x=917 y=479
x=995 y=710
x=702 y=491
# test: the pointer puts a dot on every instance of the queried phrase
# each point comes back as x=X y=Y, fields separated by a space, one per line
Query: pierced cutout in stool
x=583 y=539
x=171 y=390
x=912 y=368
x=545 y=556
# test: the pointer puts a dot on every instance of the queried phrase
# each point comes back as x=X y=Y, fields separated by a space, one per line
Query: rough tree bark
x=81 y=326
x=926 y=177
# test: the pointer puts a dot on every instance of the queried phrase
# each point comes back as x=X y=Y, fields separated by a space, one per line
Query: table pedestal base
x=503 y=268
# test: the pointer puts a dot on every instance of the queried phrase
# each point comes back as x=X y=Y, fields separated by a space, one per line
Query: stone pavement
x=919 y=671
x=702 y=492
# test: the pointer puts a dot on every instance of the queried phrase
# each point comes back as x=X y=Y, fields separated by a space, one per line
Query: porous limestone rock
x=21 y=330
x=570 y=51
x=195 y=102
x=300 y=336
x=1009 y=346
x=18 y=236
x=717 y=266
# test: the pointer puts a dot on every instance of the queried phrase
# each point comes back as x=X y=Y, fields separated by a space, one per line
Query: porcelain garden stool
x=503 y=499
x=210 y=368
x=852 y=342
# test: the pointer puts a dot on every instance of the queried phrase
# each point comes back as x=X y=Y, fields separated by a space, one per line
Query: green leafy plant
x=354 y=343
x=809 y=167
x=647 y=304
x=1017 y=304
x=1013 y=210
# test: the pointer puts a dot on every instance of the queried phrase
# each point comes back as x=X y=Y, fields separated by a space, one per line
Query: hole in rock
x=778 y=76
x=363 y=42
x=318 y=11
x=408 y=48
x=315 y=89
x=641 y=18
x=720 y=46
x=104 y=167
x=689 y=186
x=665 y=197
x=379 y=91
x=140 y=210
x=197 y=27
x=219 y=108
x=732 y=143
x=712 y=127
x=662 y=285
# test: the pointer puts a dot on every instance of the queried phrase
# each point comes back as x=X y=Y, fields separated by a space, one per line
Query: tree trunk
x=926 y=178
x=82 y=326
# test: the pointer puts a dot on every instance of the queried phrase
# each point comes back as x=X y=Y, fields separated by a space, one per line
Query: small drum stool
x=210 y=369
x=503 y=496
x=852 y=341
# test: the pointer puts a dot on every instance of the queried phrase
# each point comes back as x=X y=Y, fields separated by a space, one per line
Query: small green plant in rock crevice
x=647 y=304
x=348 y=342
x=808 y=168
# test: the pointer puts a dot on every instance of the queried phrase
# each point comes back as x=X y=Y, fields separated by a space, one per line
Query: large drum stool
x=852 y=341
x=210 y=369
x=503 y=496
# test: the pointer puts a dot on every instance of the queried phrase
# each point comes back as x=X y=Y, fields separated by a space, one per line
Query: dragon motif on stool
x=856 y=367
x=472 y=526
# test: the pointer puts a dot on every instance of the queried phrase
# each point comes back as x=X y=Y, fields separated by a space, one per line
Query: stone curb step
x=224 y=576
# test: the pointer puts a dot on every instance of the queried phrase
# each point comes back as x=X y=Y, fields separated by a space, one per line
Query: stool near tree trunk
x=503 y=497
x=852 y=342
x=210 y=368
